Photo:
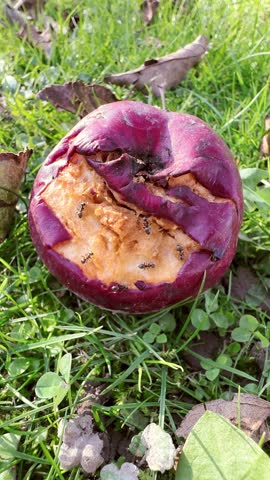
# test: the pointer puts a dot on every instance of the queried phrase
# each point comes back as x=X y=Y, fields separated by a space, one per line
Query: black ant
x=146 y=226
x=180 y=250
x=86 y=257
x=146 y=265
x=81 y=209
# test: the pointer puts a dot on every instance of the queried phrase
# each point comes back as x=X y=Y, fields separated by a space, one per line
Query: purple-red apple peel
x=134 y=205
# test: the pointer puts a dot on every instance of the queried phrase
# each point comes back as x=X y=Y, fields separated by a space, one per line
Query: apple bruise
x=111 y=242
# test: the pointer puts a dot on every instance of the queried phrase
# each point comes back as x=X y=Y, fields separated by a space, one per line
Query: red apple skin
x=171 y=144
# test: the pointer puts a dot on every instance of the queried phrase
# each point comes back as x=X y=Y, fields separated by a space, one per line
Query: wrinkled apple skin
x=171 y=144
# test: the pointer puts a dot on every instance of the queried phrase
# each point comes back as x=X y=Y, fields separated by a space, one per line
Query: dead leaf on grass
x=246 y=286
x=149 y=8
x=41 y=40
x=265 y=143
x=77 y=97
x=208 y=345
x=165 y=72
x=32 y=7
x=254 y=412
x=12 y=170
x=260 y=354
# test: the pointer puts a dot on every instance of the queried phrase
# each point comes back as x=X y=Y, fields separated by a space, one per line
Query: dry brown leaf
x=12 y=170
x=77 y=97
x=41 y=40
x=165 y=72
x=253 y=414
x=32 y=7
x=149 y=8
x=260 y=355
x=242 y=281
x=265 y=143
x=246 y=286
x=208 y=345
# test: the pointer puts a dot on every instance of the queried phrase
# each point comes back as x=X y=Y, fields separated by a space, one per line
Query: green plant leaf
x=148 y=337
x=221 y=320
x=61 y=393
x=167 y=322
x=18 y=366
x=137 y=446
x=216 y=449
x=211 y=301
x=265 y=194
x=241 y=334
x=212 y=374
x=252 y=176
x=233 y=348
x=162 y=338
x=9 y=83
x=248 y=322
x=224 y=360
x=264 y=341
x=8 y=445
x=155 y=329
x=9 y=474
x=207 y=364
x=254 y=197
x=252 y=388
x=65 y=366
x=48 y=385
x=34 y=274
x=199 y=318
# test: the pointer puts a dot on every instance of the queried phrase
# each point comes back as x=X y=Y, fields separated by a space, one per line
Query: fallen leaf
x=260 y=354
x=41 y=40
x=165 y=72
x=77 y=96
x=243 y=279
x=253 y=414
x=265 y=143
x=8 y=446
x=12 y=170
x=208 y=345
x=32 y=7
x=217 y=450
x=246 y=286
x=149 y=8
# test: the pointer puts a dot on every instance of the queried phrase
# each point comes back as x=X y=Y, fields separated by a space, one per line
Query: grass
x=40 y=320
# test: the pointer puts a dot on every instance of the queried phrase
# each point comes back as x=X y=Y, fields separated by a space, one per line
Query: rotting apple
x=134 y=205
